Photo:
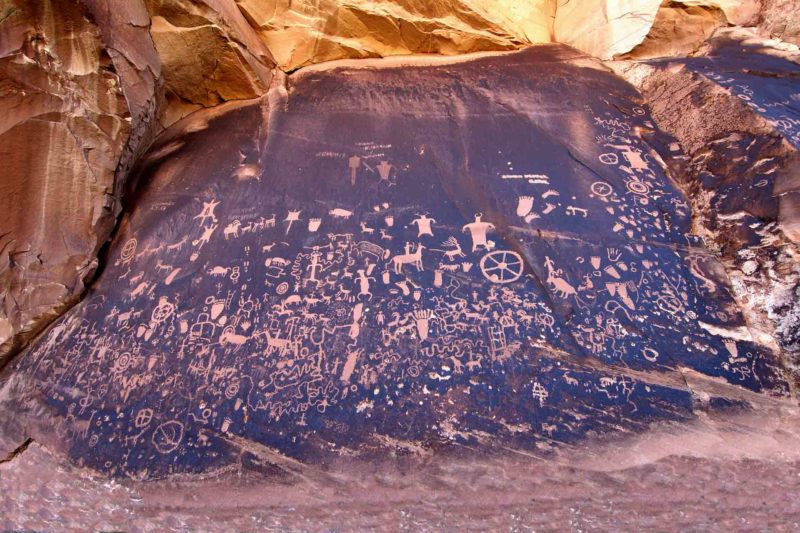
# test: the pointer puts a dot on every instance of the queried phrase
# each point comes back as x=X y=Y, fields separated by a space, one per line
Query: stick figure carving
x=208 y=212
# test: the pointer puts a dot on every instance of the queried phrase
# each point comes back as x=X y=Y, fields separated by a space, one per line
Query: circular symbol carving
x=339 y=313
x=85 y=402
x=282 y=288
x=544 y=320
x=168 y=436
x=638 y=187
x=609 y=158
x=129 y=249
x=232 y=390
x=601 y=189
x=143 y=417
x=123 y=361
x=163 y=311
x=669 y=304
x=650 y=354
x=502 y=266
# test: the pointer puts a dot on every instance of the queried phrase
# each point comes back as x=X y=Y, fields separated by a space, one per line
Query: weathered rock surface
x=302 y=33
x=306 y=32
x=736 y=112
x=781 y=19
x=655 y=28
x=378 y=258
x=744 y=466
x=74 y=118
x=209 y=54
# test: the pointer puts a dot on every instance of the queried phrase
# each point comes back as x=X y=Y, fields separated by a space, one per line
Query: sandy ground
x=719 y=474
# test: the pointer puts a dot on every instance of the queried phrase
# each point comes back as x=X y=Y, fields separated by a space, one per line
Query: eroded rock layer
x=486 y=252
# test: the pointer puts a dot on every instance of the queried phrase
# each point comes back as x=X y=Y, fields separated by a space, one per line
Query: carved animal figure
x=413 y=258
x=472 y=364
x=560 y=285
x=276 y=261
x=232 y=229
x=219 y=271
x=123 y=318
x=456 y=250
x=284 y=346
x=264 y=223
x=140 y=289
x=340 y=213
x=230 y=337
x=366 y=247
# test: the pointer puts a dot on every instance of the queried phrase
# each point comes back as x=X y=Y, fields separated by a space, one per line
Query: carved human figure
x=208 y=212
x=478 y=230
x=363 y=284
x=423 y=223
x=206 y=236
x=384 y=169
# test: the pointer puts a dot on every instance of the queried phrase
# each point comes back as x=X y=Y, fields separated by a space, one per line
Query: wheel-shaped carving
x=502 y=266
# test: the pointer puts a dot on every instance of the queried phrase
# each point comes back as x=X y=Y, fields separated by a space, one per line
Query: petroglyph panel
x=408 y=258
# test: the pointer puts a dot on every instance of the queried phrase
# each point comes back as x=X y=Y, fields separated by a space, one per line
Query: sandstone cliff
x=79 y=100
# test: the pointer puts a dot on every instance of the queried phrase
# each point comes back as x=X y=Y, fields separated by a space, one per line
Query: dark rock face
x=487 y=253
x=756 y=178
x=736 y=112
x=768 y=86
